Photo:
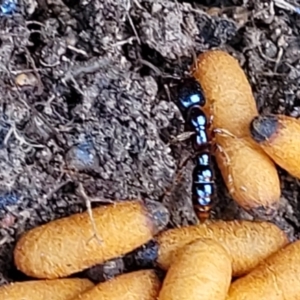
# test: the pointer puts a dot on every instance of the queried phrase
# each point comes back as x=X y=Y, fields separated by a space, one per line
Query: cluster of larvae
x=216 y=260
x=249 y=145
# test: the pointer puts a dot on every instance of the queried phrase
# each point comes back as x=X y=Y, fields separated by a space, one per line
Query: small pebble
x=26 y=80
x=83 y=157
x=8 y=198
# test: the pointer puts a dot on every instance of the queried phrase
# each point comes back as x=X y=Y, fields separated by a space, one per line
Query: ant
x=191 y=100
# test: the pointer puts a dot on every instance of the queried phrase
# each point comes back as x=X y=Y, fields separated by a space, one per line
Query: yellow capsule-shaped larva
x=138 y=285
x=202 y=270
x=247 y=242
x=249 y=174
x=56 y=289
x=276 y=278
x=279 y=137
x=228 y=94
x=68 y=245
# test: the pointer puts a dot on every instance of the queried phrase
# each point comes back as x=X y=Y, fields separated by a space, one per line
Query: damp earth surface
x=86 y=100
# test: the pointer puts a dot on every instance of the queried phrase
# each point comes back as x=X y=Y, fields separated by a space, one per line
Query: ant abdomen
x=203 y=185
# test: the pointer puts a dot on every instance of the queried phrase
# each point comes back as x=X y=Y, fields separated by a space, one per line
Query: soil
x=86 y=97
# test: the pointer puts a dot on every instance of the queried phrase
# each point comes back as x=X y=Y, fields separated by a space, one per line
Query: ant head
x=189 y=93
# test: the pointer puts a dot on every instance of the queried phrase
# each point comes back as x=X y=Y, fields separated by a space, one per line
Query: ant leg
x=224 y=132
x=220 y=131
x=210 y=122
x=227 y=165
x=181 y=137
x=195 y=65
x=179 y=175
x=211 y=116
x=180 y=172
